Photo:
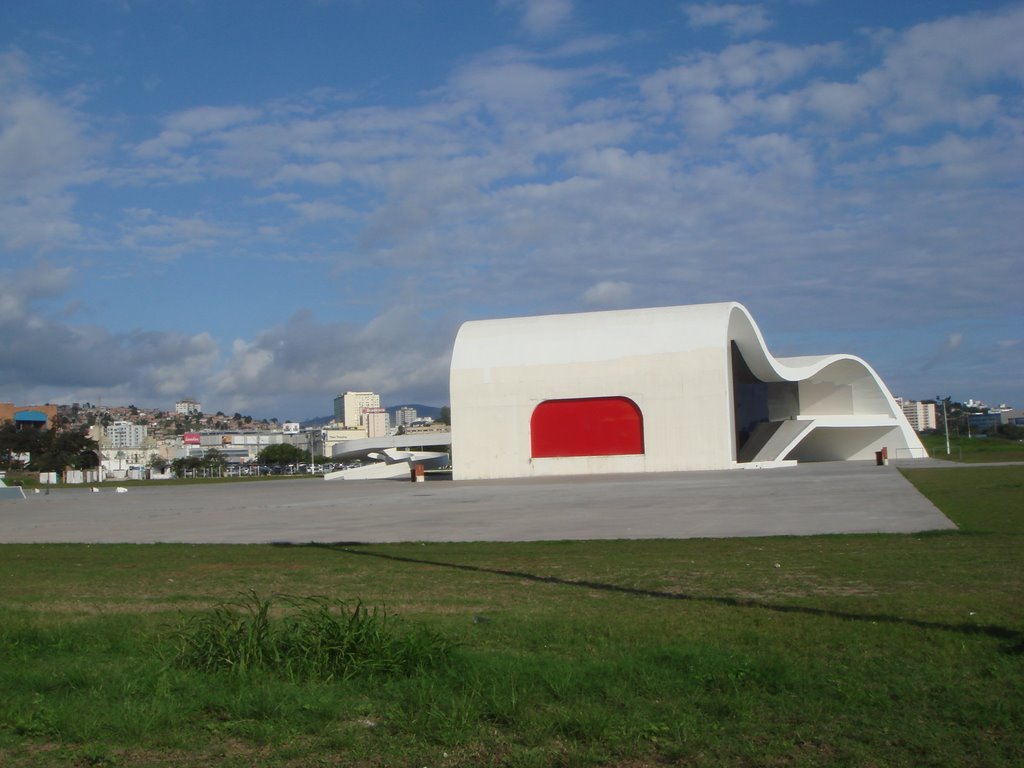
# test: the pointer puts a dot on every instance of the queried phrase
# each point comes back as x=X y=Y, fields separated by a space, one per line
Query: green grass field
x=973 y=449
x=836 y=650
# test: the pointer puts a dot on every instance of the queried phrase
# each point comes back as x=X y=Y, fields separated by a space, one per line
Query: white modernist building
x=657 y=390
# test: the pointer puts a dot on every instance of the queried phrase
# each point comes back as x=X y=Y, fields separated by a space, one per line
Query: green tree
x=283 y=454
x=181 y=467
x=445 y=416
x=214 y=460
x=55 y=451
x=14 y=441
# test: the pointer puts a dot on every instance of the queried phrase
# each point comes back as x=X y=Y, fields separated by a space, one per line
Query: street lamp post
x=945 y=422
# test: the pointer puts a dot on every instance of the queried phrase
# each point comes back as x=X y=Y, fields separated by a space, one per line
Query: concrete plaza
x=839 y=497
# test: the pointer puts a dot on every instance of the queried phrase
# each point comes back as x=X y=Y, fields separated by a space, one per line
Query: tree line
x=214 y=462
x=50 y=450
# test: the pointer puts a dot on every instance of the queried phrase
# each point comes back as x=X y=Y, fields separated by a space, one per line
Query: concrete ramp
x=11 y=493
x=391 y=463
x=835 y=497
x=782 y=440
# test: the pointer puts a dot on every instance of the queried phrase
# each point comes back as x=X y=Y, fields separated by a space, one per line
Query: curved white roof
x=590 y=336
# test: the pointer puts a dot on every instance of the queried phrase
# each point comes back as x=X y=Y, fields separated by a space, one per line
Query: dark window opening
x=757 y=405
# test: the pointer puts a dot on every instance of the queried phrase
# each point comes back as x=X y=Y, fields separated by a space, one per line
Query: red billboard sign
x=191 y=438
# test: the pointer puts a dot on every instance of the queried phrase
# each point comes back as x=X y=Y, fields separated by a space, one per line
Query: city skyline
x=262 y=208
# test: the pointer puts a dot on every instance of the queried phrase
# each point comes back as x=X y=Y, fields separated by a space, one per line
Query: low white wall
x=683 y=398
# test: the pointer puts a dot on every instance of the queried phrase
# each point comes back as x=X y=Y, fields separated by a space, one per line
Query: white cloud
x=810 y=181
x=515 y=87
x=617 y=165
x=164 y=144
x=323 y=210
x=932 y=73
x=738 y=20
x=81 y=362
x=19 y=290
x=396 y=351
x=761 y=65
x=161 y=236
x=182 y=128
x=202 y=120
x=44 y=152
x=839 y=102
x=509 y=172
x=307 y=355
x=774 y=150
x=326 y=173
x=608 y=293
x=966 y=158
x=38 y=221
x=541 y=17
x=707 y=116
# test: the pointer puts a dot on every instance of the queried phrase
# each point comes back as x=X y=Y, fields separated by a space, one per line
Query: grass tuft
x=315 y=638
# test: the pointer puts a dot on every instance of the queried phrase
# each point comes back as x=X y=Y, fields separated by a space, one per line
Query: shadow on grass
x=1015 y=637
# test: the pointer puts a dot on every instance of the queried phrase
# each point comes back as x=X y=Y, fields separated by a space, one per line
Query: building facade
x=188 y=407
x=334 y=435
x=124 y=434
x=405 y=416
x=985 y=422
x=352 y=405
x=376 y=421
x=922 y=416
x=28 y=416
x=657 y=390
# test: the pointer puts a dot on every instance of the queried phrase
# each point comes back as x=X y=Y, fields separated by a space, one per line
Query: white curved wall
x=674 y=363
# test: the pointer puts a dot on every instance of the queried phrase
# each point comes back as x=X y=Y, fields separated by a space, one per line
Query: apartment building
x=188 y=407
x=349 y=407
x=377 y=422
x=405 y=416
x=920 y=415
x=124 y=434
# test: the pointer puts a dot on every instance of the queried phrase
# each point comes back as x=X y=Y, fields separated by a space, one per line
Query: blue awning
x=30 y=416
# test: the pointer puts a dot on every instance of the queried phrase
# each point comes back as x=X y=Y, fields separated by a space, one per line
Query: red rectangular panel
x=593 y=426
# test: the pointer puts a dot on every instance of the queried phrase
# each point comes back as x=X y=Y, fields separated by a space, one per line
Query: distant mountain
x=422 y=411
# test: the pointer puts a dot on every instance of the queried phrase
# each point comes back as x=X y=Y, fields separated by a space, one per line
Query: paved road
x=841 y=497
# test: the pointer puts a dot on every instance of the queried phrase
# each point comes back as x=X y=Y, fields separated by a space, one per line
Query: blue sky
x=262 y=204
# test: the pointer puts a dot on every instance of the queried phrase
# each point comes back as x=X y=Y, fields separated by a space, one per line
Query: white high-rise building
x=188 y=407
x=352 y=405
x=405 y=416
x=920 y=415
x=124 y=434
